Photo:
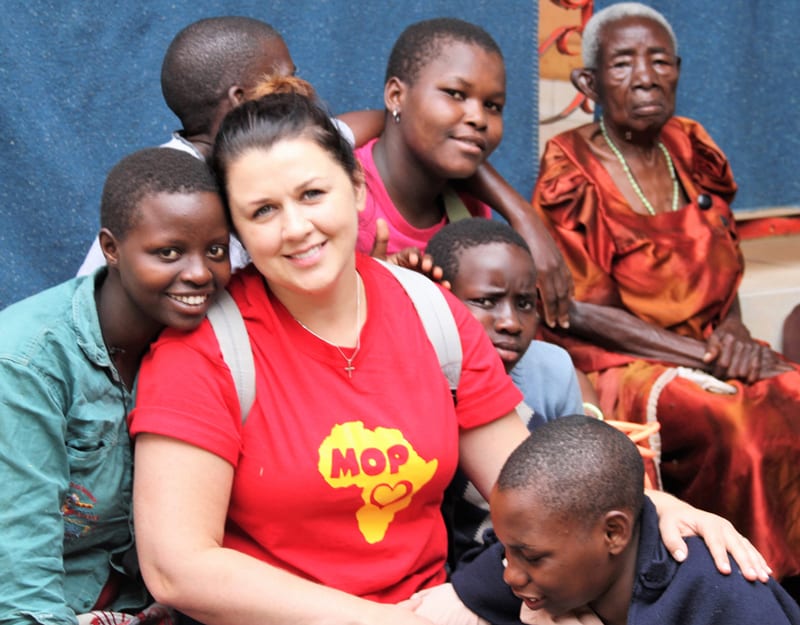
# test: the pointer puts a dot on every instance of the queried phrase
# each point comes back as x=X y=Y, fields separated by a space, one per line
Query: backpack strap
x=437 y=319
x=234 y=343
x=454 y=206
x=432 y=308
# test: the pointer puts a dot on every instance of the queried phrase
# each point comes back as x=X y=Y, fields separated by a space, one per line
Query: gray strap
x=234 y=343
x=431 y=306
x=525 y=413
x=436 y=317
x=454 y=206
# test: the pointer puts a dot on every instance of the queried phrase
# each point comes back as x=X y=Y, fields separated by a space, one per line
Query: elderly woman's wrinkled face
x=637 y=74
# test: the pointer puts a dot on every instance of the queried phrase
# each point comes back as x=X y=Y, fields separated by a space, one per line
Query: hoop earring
x=396 y=116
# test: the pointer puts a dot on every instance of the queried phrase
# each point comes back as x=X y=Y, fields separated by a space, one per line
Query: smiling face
x=299 y=224
x=452 y=115
x=553 y=563
x=637 y=74
x=497 y=282
x=174 y=257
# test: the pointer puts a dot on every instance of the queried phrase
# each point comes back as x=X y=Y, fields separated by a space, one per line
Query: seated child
x=490 y=269
x=579 y=533
x=68 y=363
x=444 y=95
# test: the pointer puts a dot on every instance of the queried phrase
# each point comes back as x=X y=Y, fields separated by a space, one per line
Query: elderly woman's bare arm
x=617 y=330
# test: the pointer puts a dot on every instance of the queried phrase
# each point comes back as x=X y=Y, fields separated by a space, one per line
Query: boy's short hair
x=421 y=42
x=149 y=172
x=205 y=59
x=447 y=245
x=580 y=468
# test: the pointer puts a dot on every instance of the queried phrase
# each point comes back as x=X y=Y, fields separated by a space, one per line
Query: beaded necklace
x=636 y=188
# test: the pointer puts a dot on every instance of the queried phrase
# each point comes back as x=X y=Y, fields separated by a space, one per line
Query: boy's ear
x=109 y=246
x=393 y=94
x=235 y=96
x=618 y=530
x=585 y=81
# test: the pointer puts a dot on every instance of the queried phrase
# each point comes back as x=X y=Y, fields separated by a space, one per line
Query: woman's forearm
x=224 y=587
x=181 y=498
x=617 y=330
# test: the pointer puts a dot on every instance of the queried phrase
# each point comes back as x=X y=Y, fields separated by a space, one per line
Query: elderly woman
x=639 y=203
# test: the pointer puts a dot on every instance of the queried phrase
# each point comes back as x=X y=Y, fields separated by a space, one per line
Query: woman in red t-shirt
x=324 y=505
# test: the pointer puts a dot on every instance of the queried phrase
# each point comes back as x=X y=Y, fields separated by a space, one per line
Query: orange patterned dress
x=737 y=455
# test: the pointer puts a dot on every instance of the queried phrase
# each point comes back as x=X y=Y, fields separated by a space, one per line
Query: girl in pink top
x=444 y=93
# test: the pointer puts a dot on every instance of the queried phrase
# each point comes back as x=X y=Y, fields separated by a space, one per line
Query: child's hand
x=381 y=243
x=412 y=258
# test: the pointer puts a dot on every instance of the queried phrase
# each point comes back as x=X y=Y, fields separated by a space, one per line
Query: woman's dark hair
x=418 y=44
x=260 y=124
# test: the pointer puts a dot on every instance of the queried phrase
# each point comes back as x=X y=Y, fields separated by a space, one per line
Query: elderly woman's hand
x=733 y=353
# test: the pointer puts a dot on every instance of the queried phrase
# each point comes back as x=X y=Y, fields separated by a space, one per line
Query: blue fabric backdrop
x=739 y=78
x=79 y=89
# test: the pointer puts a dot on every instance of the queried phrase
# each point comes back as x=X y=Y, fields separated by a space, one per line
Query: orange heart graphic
x=385 y=495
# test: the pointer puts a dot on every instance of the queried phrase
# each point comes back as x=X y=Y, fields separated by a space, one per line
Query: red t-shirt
x=337 y=480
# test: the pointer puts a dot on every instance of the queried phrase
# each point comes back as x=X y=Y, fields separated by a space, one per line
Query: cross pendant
x=349 y=368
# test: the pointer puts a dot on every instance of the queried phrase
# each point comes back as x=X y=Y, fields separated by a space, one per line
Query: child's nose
x=196 y=270
x=475 y=113
x=514 y=576
x=506 y=319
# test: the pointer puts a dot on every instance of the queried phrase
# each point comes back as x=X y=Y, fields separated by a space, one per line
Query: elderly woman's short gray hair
x=590 y=47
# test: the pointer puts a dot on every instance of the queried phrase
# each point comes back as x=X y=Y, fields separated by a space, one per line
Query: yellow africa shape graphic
x=382 y=463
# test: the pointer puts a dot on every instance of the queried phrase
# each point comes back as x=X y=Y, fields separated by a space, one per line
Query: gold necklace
x=349 y=368
x=635 y=185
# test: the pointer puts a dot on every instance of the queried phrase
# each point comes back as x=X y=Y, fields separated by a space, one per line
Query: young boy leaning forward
x=580 y=536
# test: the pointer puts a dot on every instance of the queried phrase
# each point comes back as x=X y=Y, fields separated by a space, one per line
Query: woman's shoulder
x=567 y=170
x=690 y=143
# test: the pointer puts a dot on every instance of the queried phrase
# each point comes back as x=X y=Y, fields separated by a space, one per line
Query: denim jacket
x=65 y=459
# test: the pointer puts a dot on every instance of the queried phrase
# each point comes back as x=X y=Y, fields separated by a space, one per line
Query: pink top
x=401 y=233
